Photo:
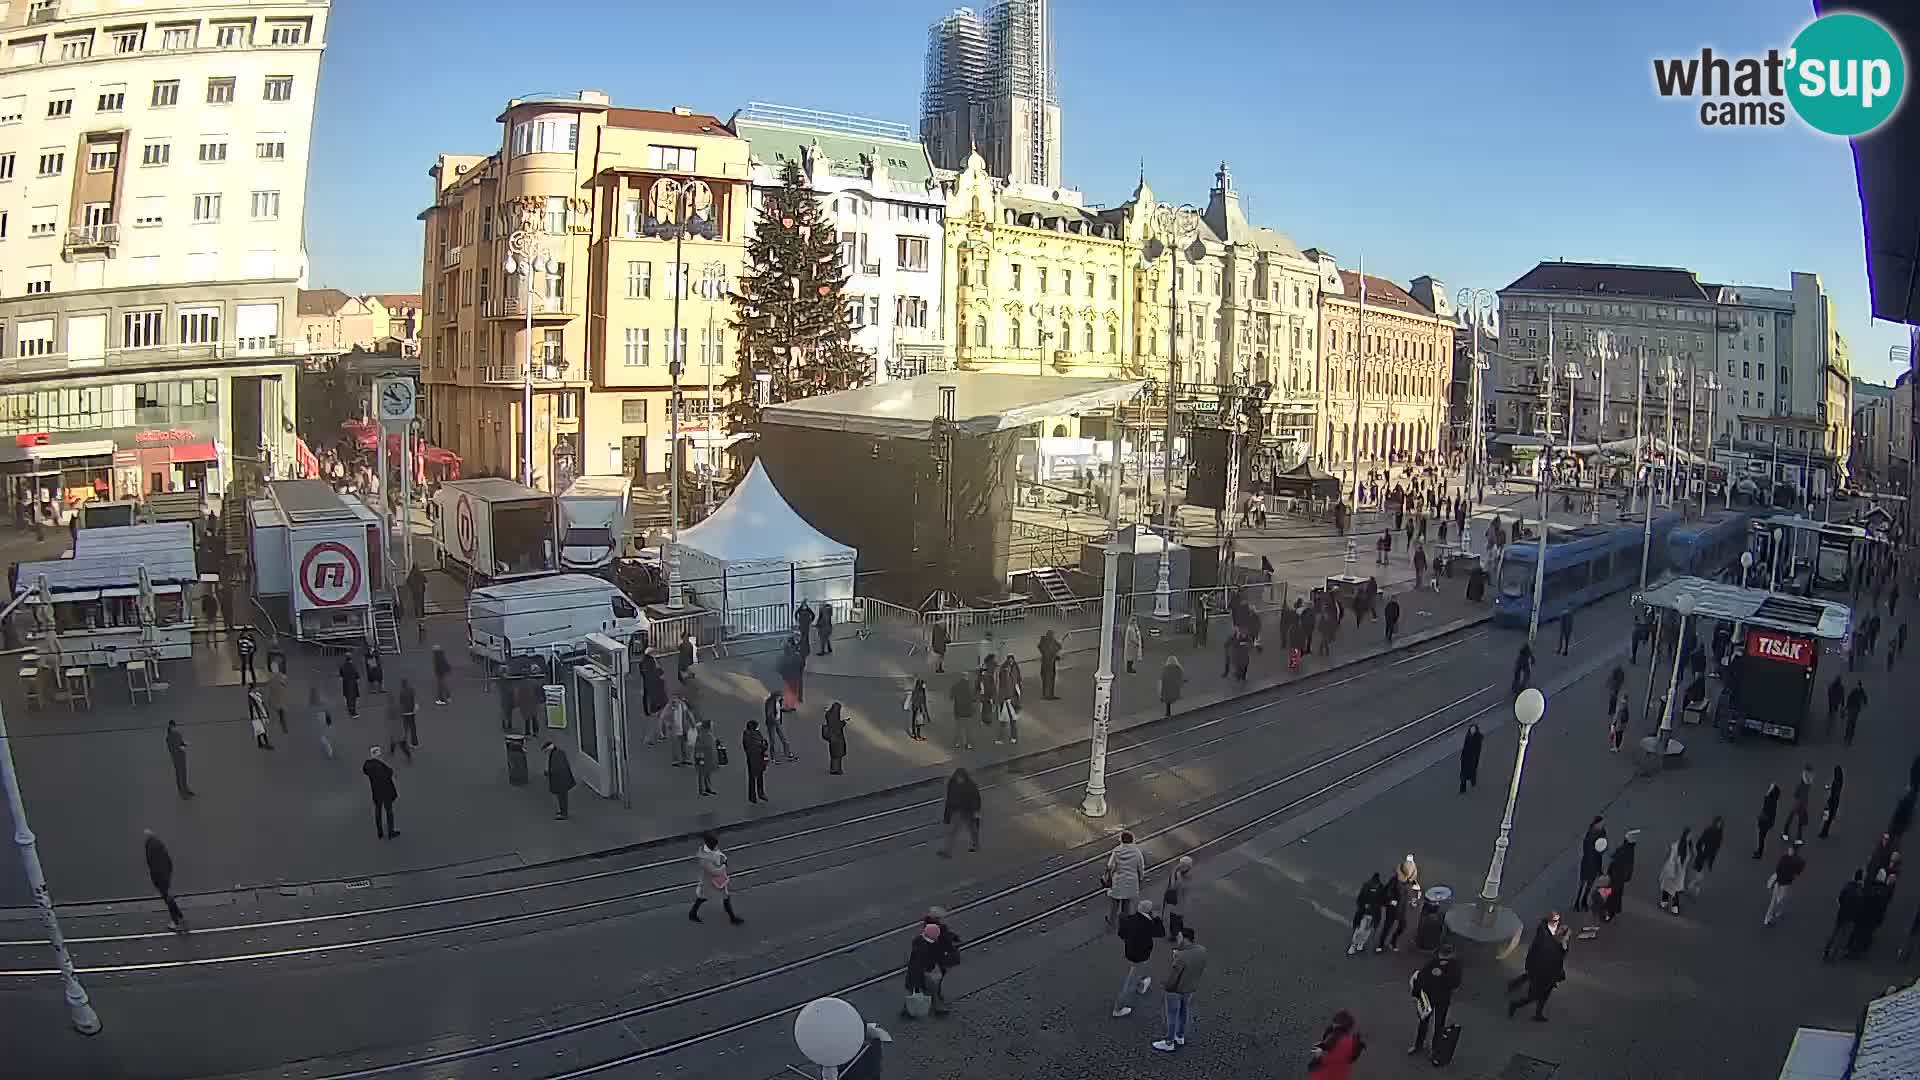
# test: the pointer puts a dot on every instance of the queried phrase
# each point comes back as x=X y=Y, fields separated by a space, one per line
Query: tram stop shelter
x=1776 y=643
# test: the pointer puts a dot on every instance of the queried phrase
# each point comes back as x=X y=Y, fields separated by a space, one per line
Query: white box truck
x=521 y=626
x=490 y=529
x=596 y=522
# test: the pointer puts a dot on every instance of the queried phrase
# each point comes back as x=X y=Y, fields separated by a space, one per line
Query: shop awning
x=182 y=453
x=55 y=451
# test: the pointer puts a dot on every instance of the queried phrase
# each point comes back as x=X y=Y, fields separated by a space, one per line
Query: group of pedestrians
x=1381 y=909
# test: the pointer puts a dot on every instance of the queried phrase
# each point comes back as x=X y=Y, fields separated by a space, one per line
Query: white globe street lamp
x=830 y=1033
x=1488 y=922
x=1746 y=564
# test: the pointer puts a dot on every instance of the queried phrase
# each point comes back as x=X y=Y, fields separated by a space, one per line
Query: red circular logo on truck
x=330 y=574
x=463 y=524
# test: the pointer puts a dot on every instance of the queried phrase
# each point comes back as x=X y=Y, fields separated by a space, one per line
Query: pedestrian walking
x=776 y=729
x=177 y=753
x=1432 y=985
x=962 y=811
x=1137 y=933
x=754 y=751
x=1705 y=853
x=277 y=694
x=1797 y=810
x=1763 y=825
x=1240 y=654
x=935 y=950
x=1470 y=758
x=1846 y=914
x=1049 y=665
x=1172 y=678
x=257 y=718
x=410 y=712
x=1642 y=631
x=1620 y=870
x=1593 y=847
x=1780 y=884
x=380 y=785
x=1566 y=633
x=833 y=730
x=160 y=872
x=504 y=693
x=918 y=718
x=961 y=694
x=823 y=627
x=1173 y=899
x=247 y=646
x=1875 y=896
x=1902 y=818
x=376 y=671
x=985 y=687
x=1882 y=856
x=442 y=677
x=705 y=749
x=1546 y=967
x=1134 y=644
x=559 y=778
x=1368 y=906
x=1673 y=871
x=1393 y=913
x=1008 y=689
x=1616 y=682
x=803 y=622
x=397 y=730
x=1202 y=612
x=937 y=641
x=1856 y=704
x=1339 y=1047
x=1125 y=866
x=1617 y=730
x=1836 y=703
x=350 y=685
x=1391 y=620
x=1419 y=565
x=1522 y=669
x=686 y=653
x=1185 y=969
x=711 y=876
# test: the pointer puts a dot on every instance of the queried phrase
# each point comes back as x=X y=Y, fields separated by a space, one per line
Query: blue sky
x=1465 y=141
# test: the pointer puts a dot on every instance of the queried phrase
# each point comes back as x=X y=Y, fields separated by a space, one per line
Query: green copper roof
x=907 y=166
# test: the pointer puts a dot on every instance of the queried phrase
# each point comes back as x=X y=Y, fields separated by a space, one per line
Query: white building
x=877 y=185
x=152 y=198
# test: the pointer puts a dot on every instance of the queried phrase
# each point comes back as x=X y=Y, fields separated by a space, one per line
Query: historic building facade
x=1387 y=377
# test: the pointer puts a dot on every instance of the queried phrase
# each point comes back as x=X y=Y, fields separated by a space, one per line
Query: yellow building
x=1402 y=356
x=589 y=194
x=1040 y=284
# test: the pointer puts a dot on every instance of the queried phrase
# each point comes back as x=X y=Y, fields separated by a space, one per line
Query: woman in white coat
x=1125 y=868
x=1134 y=644
x=1673 y=872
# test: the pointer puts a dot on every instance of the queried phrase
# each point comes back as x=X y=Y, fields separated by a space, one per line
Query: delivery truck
x=523 y=626
x=491 y=529
x=596 y=522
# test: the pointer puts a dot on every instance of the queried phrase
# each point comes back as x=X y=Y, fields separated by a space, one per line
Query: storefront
x=69 y=468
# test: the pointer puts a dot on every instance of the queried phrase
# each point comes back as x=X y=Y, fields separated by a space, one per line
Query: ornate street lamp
x=1488 y=922
x=1174 y=231
x=527 y=255
x=677 y=209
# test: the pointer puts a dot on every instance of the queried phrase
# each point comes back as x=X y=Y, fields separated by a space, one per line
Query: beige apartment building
x=1400 y=358
x=331 y=321
x=588 y=192
x=152 y=197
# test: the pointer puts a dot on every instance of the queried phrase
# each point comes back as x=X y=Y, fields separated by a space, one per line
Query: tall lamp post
x=1684 y=606
x=1175 y=228
x=1487 y=921
x=1545 y=488
x=680 y=208
x=1673 y=456
x=1601 y=347
x=1713 y=387
x=526 y=256
x=1095 y=803
x=1479 y=307
x=713 y=281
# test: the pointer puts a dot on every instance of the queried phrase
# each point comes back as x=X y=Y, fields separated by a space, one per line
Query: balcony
x=43 y=11
x=154 y=357
x=545 y=308
x=86 y=238
x=871 y=269
x=551 y=369
x=450 y=257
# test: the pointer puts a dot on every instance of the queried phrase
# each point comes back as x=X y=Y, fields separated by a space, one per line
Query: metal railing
x=156 y=356
x=91 y=236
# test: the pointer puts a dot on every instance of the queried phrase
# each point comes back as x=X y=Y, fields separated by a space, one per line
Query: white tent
x=756 y=560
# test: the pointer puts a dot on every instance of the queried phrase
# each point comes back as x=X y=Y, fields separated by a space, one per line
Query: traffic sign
x=330 y=574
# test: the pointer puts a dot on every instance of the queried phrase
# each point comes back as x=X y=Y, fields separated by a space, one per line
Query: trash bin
x=517 y=760
x=1431 y=930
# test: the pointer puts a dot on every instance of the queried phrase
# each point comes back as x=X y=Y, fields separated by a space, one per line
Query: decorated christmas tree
x=795 y=330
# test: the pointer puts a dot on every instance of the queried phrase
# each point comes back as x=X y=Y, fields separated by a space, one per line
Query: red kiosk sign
x=1780 y=648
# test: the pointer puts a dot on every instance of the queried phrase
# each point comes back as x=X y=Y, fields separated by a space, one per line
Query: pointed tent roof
x=755 y=524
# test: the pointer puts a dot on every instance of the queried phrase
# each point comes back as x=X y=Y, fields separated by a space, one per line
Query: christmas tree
x=796 y=332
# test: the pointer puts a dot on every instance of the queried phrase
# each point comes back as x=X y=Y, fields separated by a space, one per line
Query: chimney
x=593 y=97
x=682 y=110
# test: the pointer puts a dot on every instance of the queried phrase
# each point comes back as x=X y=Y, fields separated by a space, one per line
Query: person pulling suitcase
x=1432 y=986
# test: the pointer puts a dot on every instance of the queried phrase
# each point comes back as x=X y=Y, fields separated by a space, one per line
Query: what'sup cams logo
x=1844 y=75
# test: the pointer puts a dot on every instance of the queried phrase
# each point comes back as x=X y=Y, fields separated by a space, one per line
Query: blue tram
x=1583 y=565
x=1707 y=548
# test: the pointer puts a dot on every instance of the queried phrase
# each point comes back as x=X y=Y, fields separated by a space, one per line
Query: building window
x=76 y=46
x=44 y=222
x=1043 y=279
x=102 y=158
x=213 y=149
x=911 y=252
x=61 y=106
x=711 y=346
x=127 y=41
x=670 y=158
x=266 y=206
x=13 y=109
x=177 y=37
x=229 y=35
x=39 y=280
x=556 y=136
x=206 y=209
x=1016 y=277
x=1013 y=333
x=271 y=148
x=286 y=33
x=199 y=326
x=277 y=88
x=979 y=330
x=111 y=99
x=639 y=350
x=1113 y=291
x=556 y=216
x=156 y=153
x=36 y=338
x=148 y=211
x=52 y=162
x=220 y=91
x=633 y=410
x=141 y=329
x=166 y=93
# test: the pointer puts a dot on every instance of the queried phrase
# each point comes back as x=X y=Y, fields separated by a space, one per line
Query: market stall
x=120 y=596
x=755 y=560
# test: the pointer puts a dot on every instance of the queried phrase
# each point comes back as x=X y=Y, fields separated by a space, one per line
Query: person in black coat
x=559 y=778
x=1846 y=915
x=1368 y=905
x=1871 y=912
x=962 y=811
x=1137 y=932
x=1050 y=662
x=160 y=872
x=1834 y=787
x=1436 y=980
x=1470 y=758
x=1591 y=851
x=823 y=627
x=1546 y=968
x=683 y=657
x=1620 y=872
x=1902 y=818
x=1392 y=619
x=1616 y=682
x=653 y=685
x=803 y=622
x=1763 y=825
x=1522 y=669
x=936 y=949
x=380 y=783
x=350 y=685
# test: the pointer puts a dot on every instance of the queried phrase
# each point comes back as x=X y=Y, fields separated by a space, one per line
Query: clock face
x=396 y=399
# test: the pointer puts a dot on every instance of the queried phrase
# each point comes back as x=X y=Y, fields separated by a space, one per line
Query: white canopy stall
x=120 y=595
x=755 y=560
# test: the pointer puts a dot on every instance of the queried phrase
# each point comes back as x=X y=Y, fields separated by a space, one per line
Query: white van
x=521 y=625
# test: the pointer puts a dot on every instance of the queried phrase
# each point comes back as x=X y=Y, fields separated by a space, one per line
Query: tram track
x=677 y=865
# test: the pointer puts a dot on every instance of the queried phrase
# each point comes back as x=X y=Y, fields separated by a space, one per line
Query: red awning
x=182 y=453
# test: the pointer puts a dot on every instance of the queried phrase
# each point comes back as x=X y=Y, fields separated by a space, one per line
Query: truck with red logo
x=489 y=529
